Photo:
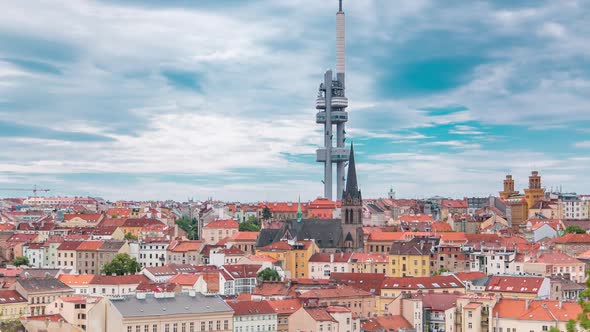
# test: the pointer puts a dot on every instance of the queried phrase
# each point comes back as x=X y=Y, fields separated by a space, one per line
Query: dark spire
x=340 y=7
x=352 y=187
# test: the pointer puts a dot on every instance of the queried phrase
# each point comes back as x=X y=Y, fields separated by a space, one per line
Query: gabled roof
x=111 y=246
x=75 y=280
x=131 y=279
x=369 y=282
x=69 y=245
x=245 y=236
x=11 y=296
x=327 y=258
x=247 y=308
x=336 y=292
x=320 y=314
x=437 y=301
x=185 y=279
x=42 y=285
x=573 y=238
x=90 y=245
x=556 y=258
x=386 y=323
x=229 y=223
x=141 y=222
x=417 y=283
x=185 y=246
x=285 y=306
x=239 y=271
x=536 y=310
x=515 y=284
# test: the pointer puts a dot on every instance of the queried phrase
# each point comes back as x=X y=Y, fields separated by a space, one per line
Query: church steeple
x=351 y=192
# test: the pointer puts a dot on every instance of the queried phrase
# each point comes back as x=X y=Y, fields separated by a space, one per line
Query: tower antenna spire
x=340 y=5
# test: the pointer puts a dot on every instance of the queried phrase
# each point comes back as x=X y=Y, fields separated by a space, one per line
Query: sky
x=177 y=99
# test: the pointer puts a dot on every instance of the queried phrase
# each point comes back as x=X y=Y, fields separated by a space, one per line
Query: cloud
x=582 y=144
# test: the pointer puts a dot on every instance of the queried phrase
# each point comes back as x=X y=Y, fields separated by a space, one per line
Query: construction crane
x=34 y=190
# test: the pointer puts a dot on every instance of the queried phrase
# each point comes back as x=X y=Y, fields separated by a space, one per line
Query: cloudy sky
x=159 y=99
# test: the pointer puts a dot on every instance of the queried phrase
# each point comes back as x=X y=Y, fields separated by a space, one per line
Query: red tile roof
x=441 y=227
x=223 y=224
x=369 y=282
x=454 y=203
x=280 y=245
x=245 y=236
x=119 y=212
x=240 y=271
x=421 y=283
x=537 y=310
x=437 y=301
x=285 y=306
x=320 y=314
x=573 y=238
x=368 y=258
x=185 y=279
x=515 y=284
x=336 y=292
x=69 y=245
x=89 y=245
x=141 y=222
x=463 y=276
x=185 y=246
x=556 y=258
x=246 y=308
x=232 y=251
x=10 y=296
x=75 y=280
x=386 y=323
x=119 y=280
x=326 y=258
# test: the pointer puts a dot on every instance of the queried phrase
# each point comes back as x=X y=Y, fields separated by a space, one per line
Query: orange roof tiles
x=386 y=236
x=368 y=258
x=386 y=323
x=515 y=284
x=573 y=238
x=119 y=280
x=262 y=258
x=89 y=245
x=557 y=258
x=223 y=224
x=463 y=276
x=280 y=245
x=421 y=283
x=320 y=314
x=245 y=236
x=185 y=279
x=75 y=280
x=441 y=227
x=337 y=292
x=10 y=296
x=285 y=306
x=538 y=310
x=185 y=246
x=245 y=308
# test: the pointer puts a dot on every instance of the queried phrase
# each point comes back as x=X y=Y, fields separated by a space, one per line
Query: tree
x=130 y=236
x=247 y=226
x=574 y=229
x=266 y=214
x=20 y=260
x=190 y=226
x=268 y=274
x=120 y=265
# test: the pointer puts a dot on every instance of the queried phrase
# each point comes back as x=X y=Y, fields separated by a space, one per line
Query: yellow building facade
x=292 y=257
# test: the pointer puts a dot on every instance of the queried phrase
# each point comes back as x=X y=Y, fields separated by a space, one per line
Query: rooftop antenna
x=340 y=6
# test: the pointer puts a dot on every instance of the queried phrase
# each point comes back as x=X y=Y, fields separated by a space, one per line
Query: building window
x=469 y=313
x=166 y=327
x=137 y=328
x=225 y=324
x=129 y=328
x=218 y=325
x=202 y=326
x=545 y=328
x=183 y=327
x=175 y=327
x=191 y=327
x=470 y=325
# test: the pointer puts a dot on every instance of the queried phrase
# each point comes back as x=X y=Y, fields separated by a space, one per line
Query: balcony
x=320 y=117
x=338 y=116
x=320 y=103
x=339 y=102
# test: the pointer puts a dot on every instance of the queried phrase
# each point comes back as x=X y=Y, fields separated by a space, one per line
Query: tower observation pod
x=331 y=104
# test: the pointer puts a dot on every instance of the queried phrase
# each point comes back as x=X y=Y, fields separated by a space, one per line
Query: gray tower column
x=328 y=137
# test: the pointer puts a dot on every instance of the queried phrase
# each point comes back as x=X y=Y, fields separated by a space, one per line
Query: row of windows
x=181 y=327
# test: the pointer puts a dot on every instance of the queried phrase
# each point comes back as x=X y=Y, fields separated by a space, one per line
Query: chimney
x=331 y=258
x=527 y=303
